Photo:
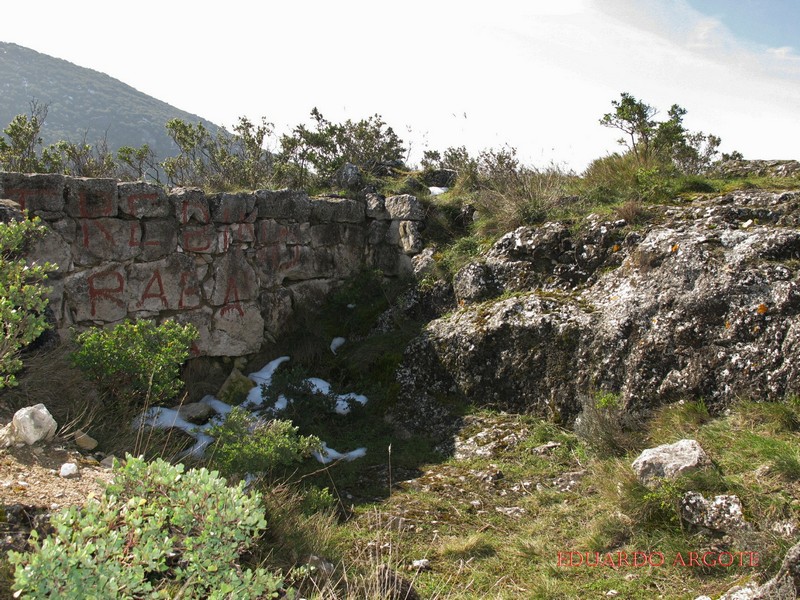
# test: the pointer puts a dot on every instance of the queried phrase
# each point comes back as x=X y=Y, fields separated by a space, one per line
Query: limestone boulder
x=669 y=461
x=722 y=513
x=404 y=207
x=30 y=425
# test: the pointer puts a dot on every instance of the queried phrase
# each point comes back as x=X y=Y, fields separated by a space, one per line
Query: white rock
x=669 y=461
x=337 y=343
x=33 y=424
x=423 y=564
x=69 y=470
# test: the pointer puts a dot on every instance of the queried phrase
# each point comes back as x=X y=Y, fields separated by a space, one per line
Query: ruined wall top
x=236 y=265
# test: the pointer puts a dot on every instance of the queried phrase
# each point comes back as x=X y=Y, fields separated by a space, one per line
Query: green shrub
x=22 y=296
x=134 y=362
x=156 y=530
x=245 y=444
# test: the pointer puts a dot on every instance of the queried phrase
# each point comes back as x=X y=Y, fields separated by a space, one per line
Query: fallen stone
x=235 y=388
x=196 y=412
x=422 y=564
x=68 y=470
x=546 y=448
x=669 y=461
x=33 y=424
x=6 y=436
x=723 y=513
x=84 y=441
x=108 y=461
x=785 y=584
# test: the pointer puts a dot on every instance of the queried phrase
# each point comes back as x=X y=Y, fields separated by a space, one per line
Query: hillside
x=82 y=101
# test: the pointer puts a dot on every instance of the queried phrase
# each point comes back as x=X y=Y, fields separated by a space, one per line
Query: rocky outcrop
x=703 y=303
x=236 y=265
x=757 y=168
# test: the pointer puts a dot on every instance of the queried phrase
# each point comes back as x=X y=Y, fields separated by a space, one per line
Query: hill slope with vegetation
x=84 y=105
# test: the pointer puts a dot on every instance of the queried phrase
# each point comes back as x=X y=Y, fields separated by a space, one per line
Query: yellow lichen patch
x=762 y=309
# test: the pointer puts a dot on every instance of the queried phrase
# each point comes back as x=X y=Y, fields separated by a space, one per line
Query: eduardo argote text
x=617 y=560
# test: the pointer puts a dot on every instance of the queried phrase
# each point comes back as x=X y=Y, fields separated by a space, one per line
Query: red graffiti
x=85 y=228
x=138 y=240
x=159 y=293
x=244 y=232
x=20 y=195
x=188 y=291
x=185 y=212
x=105 y=293
x=190 y=234
x=231 y=301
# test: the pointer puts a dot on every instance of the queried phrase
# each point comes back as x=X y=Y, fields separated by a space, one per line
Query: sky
x=536 y=75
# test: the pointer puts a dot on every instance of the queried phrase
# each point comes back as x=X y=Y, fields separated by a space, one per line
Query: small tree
x=19 y=152
x=137 y=163
x=136 y=361
x=221 y=161
x=665 y=143
x=320 y=151
x=22 y=296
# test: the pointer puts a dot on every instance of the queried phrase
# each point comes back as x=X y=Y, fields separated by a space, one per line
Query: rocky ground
x=31 y=486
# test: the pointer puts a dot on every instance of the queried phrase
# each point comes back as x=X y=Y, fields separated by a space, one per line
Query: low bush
x=136 y=362
x=157 y=531
x=246 y=444
x=22 y=295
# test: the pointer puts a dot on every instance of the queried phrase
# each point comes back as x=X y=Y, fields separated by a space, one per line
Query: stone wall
x=235 y=265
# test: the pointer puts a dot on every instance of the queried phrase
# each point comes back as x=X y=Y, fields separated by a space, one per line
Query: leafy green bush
x=22 y=296
x=245 y=444
x=156 y=531
x=137 y=361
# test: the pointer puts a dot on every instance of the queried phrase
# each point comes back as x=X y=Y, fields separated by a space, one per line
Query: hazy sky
x=533 y=74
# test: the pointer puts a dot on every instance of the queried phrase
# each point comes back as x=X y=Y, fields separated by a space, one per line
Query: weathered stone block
x=233 y=208
x=199 y=238
x=97 y=294
x=277 y=262
x=235 y=234
x=376 y=208
x=100 y=240
x=140 y=200
x=405 y=207
x=270 y=231
x=236 y=329
x=190 y=205
x=338 y=210
x=291 y=205
x=91 y=198
x=159 y=238
x=39 y=194
x=276 y=310
x=669 y=461
x=234 y=279
x=52 y=248
x=167 y=284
